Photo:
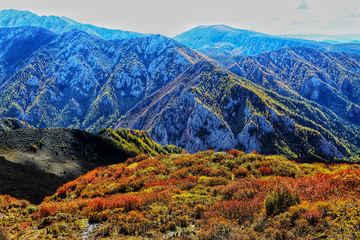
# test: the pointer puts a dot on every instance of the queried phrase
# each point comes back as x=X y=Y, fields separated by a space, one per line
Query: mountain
x=59 y=25
x=328 y=78
x=207 y=107
x=48 y=158
x=224 y=40
x=85 y=82
x=8 y=124
x=334 y=39
x=16 y=44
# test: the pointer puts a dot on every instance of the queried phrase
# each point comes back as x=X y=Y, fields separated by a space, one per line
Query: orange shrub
x=127 y=203
x=236 y=152
x=241 y=210
x=266 y=171
x=240 y=172
x=138 y=158
x=312 y=216
x=44 y=211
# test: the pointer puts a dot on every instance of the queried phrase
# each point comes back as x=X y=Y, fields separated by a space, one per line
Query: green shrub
x=214 y=181
x=279 y=201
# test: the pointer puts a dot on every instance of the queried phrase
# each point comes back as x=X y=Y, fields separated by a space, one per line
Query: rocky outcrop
x=256 y=126
x=207 y=131
x=312 y=87
x=328 y=148
x=192 y=126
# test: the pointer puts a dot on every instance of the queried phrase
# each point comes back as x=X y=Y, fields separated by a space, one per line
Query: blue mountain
x=16 y=18
x=224 y=40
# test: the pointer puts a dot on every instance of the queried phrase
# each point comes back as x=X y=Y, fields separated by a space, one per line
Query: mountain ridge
x=93 y=75
x=225 y=40
x=59 y=25
x=222 y=40
x=215 y=109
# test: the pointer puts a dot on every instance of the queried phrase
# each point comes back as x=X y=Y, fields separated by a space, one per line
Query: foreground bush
x=207 y=195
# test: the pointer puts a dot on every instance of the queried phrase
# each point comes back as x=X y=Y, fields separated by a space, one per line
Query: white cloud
x=302 y=5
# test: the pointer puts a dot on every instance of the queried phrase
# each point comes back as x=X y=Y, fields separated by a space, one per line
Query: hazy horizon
x=170 y=18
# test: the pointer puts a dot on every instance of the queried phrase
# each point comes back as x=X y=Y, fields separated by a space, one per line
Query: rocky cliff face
x=191 y=125
x=214 y=109
x=81 y=81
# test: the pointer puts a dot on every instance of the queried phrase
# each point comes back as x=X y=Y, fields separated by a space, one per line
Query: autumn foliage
x=208 y=195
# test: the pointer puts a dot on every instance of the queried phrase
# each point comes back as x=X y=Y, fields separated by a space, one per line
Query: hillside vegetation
x=35 y=162
x=208 y=195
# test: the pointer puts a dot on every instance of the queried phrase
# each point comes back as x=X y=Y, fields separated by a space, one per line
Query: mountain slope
x=57 y=155
x=8 y=124
x=17 y=44
x=224 y=40
x=328 y=78
x=85 y=82
x=59 y=25
x=207 y=107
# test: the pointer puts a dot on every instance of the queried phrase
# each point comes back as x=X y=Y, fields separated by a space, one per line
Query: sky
x=172 y=17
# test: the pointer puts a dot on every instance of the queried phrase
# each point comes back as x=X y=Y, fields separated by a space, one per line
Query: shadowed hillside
x=59 y=154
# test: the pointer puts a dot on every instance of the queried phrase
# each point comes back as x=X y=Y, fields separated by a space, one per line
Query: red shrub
x=44 y=211
x=236 y=152
x=128 y=203
x=240 y=172
x=138 y=158
x=97 y=205
x=266 y=171
x=312 y=216
x=242 y=210
x=67 y=188
x=118 y=173
x=162 y=183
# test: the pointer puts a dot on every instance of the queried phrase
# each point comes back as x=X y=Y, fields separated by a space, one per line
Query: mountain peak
x=17 y=18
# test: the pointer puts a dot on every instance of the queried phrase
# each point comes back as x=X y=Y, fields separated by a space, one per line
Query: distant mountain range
x=59 y=25
x=223 y=40
x=290 y=97
x=335 y=39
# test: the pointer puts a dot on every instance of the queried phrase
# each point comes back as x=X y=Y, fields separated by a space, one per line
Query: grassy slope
x=61 y=154
x=208 y=195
